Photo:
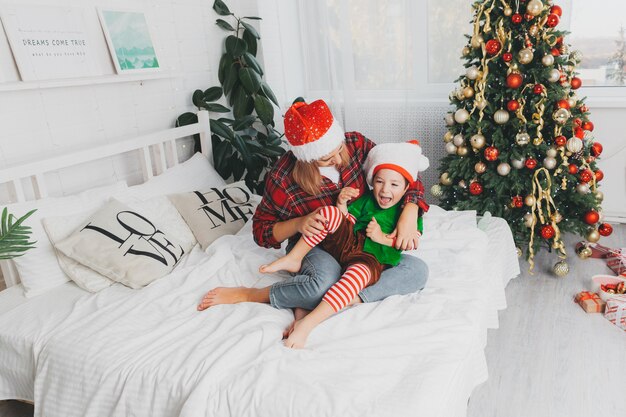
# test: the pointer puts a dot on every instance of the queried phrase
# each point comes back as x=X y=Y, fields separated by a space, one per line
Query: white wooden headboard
x=162 y=143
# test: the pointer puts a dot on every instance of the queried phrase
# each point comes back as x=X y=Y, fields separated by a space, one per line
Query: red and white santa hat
x=312 y=131
x=405 y=158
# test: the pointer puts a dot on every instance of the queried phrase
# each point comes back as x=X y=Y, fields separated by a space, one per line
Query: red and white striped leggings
x=355 y=278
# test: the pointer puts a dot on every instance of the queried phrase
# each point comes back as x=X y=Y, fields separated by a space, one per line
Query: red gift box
x=590 y=302
x=616 y=260
x=616 y=311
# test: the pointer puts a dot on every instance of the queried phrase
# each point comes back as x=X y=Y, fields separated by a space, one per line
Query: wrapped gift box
x=616 y=260
x=590 y=302
x=615 y=311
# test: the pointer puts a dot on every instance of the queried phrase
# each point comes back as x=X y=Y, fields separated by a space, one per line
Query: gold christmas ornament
x=436 y=190
x=508 y=11
x=504 y=169
x=530 y=200
x=447 y=137
x=445 y=179
x=481 y=103
x=450 y=148
x=472 y=72
x=561 y=116
x=458 y=139
x=561 y=268
x=574 y=144
x=554 y=75
x=468 y=92
x=459 y=94
x=525 y=55
x=584 y=251
x=462 y=184
x=534 y=7
x=583 y=188
x=558 y=217
x=477 y=141
x=461 y=116
x=477 y=41
x=547 y=60
x=501 y=116
x=599 y=196
x=480 y=167
x=572 y=101
x=462 y=151
x=533 y=30
x=465 y=51
x=528 y=220
x=522 y=138
x=593 y=236
x=518 y=250
x=449 y=118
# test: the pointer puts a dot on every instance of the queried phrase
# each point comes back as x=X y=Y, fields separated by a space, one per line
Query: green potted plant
x=247 y=145
x=14 y=236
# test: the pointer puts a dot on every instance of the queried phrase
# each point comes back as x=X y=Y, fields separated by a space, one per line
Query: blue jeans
x=320 y=271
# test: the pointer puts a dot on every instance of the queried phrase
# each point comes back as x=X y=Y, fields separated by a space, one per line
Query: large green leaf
x=222 y=130
x=272 y=151
x=224 y=25
x=221 y=8
x=216 y=107
x=252 y=62
x=225 y=62
x=267 y=92
x=186 y=119
x=235 y=46
x=198 y=98
x=240 y=102
x=250 y=79
x=213 y=94
x=250 y=41
x=244 y=123
x=230 y=79
x=240 y=145
x=264 y=109
x=252 y=18
x=237 y=167
x=251 y=29
x=221 y=152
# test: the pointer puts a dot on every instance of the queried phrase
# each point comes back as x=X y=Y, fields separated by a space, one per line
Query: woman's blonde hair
x=307 y=174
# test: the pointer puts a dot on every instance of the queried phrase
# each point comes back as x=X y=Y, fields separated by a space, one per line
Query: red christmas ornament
x=552 y=20
x=599 y=175
x=586 y=175
x=507 y=57
x=579 y=132
x=584 y=108
x=562 y=104
x=528 y=16
x=560 y=140
x=590 y=159
x=559 y=40
x=578 y=122
x=512 y=105
x=547 y=231
x=475 y=188
x=556 y=10
x=516 y=18
x=555 y=52
x=538 y=89
x=514 y=80
x=575 y=82
x=596 y=149
x=605 y=229
x=517 y=201
x=573 y=169
x=531 y=163
x=491 y=153
x=592 y=217
x=588 y=126
x=493 y=46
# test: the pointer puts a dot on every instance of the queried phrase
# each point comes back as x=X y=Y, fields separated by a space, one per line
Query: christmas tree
x=520 y=142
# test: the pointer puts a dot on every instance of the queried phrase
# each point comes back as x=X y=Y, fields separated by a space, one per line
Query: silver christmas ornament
x=551 y=152
x=481 y=104
x=522 y=138
x=518 y=163
x=501 y=116
x=572 y=101
x=576 y=56
x=549 y=163
x=450 y=148
x=461 y=116
x=504 y=169
x=574 y=144
x=560 y=269
x=436 y=190
x=561 y=116
x=554 y=75
x=582 y=188
x=449 y=118
x=534 y=7
x=525 y=55
x=477 y=141
x=458 y=139
x=547 y=60
x=471 y=72
x=528 y=220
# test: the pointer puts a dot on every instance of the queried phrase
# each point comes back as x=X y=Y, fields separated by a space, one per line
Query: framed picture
x=49 y=42
x=129 y=40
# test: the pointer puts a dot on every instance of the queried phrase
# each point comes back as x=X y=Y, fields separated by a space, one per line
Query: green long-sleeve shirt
x=366 y=207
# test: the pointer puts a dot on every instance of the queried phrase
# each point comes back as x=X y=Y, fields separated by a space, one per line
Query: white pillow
x=124 y=245
x=196 y=173
x=160 y=208
x=38 y=268
x=216 y=211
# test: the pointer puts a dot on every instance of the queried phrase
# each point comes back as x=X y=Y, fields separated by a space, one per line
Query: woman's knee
x=419 y=272
x=322 y=271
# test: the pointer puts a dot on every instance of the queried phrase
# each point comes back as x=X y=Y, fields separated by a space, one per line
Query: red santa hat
x=312 y=131
x=405 y=158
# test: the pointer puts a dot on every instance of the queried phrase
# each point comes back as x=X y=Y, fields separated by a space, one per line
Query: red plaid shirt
x=284 y=199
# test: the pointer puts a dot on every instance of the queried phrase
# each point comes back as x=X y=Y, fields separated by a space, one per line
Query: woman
x=322 y=160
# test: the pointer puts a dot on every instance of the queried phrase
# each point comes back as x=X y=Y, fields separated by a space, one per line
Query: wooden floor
x=548 y=358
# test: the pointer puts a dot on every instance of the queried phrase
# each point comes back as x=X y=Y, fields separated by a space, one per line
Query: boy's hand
x=374 y=232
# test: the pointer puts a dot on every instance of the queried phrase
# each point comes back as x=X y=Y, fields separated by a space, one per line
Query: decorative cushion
x=124 y=245
x=216 y=211
x=59 y=228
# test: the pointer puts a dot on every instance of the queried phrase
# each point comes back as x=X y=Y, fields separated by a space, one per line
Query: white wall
x=37 y=122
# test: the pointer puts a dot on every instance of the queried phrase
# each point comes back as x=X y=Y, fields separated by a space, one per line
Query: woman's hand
x=312 y=224
x=374 y=232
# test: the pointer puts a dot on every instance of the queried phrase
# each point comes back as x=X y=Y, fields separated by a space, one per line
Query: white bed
x=150 y=353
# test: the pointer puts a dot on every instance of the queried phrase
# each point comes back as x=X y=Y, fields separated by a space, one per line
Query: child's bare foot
x=231 y=295
x=286 y=263
x=297 y=338
x=298 y=314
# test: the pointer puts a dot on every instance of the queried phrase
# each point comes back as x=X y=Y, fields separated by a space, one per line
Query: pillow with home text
x=216 y=211
x=124 y=245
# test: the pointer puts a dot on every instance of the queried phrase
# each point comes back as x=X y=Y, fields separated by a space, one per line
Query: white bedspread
x=150 y=353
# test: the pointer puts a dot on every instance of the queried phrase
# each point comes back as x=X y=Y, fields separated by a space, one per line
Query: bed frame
x=157 y=152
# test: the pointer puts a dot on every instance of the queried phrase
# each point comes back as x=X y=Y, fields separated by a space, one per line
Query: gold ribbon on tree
x=543 y=194
x=538 y=116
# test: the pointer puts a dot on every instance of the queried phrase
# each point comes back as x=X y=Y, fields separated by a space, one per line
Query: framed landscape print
x=130 y=43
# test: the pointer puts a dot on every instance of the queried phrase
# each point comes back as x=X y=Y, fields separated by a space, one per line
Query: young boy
x=361 y=244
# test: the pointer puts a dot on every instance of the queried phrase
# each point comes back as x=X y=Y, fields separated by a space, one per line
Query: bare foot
x=298 y=314
x=297 y=338
x=229 y=295
x=286 y=263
